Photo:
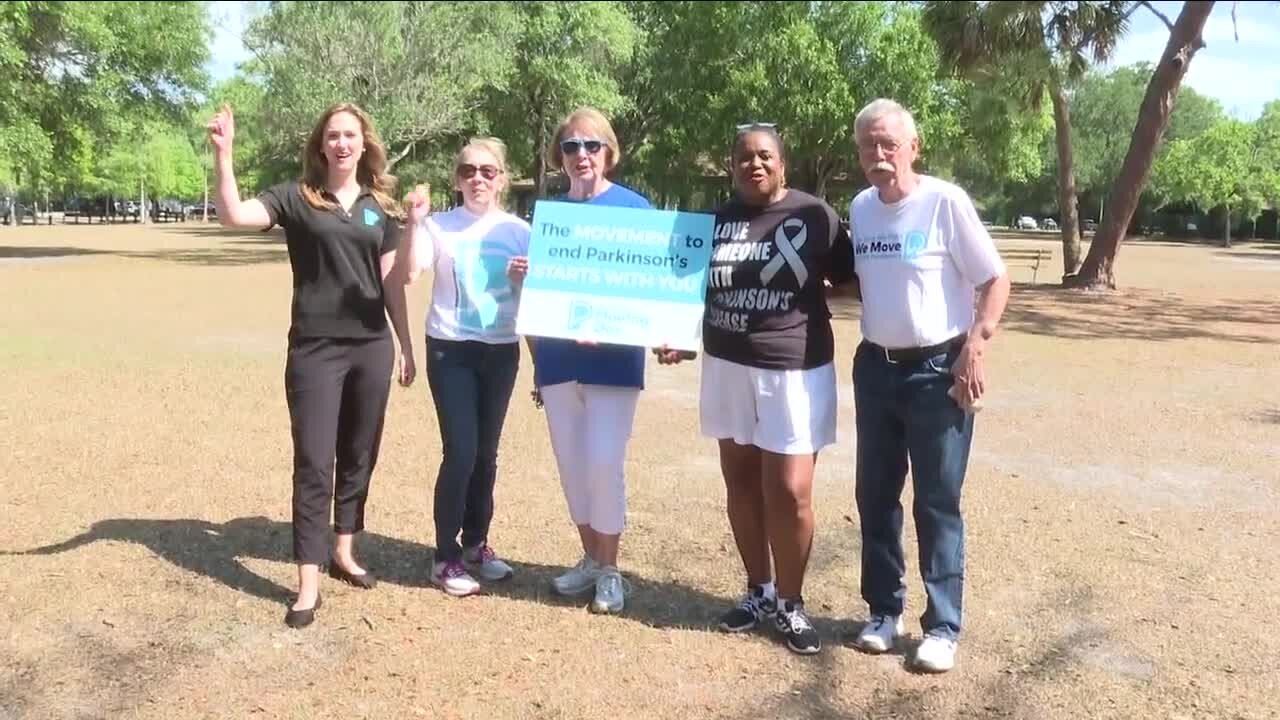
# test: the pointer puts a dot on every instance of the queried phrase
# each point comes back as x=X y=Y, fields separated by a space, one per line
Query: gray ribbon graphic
x=787 y=254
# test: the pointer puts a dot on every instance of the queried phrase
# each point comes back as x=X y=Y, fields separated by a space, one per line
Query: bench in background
x=1032 y=258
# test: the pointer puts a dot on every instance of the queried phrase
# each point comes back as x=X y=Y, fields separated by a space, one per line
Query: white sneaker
x=483 y=562
x=879 y=634
x=936 y=654
x=453 y=578
x=609 y=592
x=579 y=579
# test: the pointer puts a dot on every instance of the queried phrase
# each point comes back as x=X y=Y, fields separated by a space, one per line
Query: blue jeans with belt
x=471 y=385
x=905 y=418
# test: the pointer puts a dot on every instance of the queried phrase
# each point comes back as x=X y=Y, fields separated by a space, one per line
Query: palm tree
x=1048 y=45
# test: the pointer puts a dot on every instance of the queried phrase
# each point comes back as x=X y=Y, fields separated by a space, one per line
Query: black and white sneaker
x=802 y=637
x=754 y=609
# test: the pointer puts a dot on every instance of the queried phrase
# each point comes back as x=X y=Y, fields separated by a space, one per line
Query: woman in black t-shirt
x=342 y=227
x=768 y=379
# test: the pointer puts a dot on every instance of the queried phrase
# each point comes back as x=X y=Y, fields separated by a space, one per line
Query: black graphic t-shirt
x=766 y=304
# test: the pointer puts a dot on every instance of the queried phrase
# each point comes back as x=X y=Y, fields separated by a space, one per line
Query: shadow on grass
x=1134 y=314
x=1260 y=255
x=33 y=253
x=1139 y=315
x=252 y=251
x=214 y=550
x=1271 y=416
x=214 y=257
x=1048 y=310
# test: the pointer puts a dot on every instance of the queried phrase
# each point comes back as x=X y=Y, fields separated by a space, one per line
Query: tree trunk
x=204 y=209
x=820 y=179
x=539 y=150
x=1098 y=270
x=1226 y=238
x=1070 y=227
x=539 y=162
x=142 y=202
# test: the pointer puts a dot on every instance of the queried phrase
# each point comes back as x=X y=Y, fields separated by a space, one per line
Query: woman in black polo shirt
x=342 y=228
x=768 y=381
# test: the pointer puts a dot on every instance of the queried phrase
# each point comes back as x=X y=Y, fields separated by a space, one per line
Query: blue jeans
x=471 y=385
x=904 y=414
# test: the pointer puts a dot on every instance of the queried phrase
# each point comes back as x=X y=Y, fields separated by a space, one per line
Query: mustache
x=883 y=165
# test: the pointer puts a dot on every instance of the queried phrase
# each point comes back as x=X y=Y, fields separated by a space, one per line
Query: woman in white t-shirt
x=473 y=354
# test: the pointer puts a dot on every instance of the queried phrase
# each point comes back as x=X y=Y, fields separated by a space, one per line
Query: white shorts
x=788 y=412
x=590 y=427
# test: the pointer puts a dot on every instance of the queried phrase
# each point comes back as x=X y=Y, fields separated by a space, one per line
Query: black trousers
x=337 y=391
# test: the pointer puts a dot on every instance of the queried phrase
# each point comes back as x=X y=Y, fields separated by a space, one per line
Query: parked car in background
x=1089 y=225
x=1026 y=222
x=169 y=209
x=1049 y=224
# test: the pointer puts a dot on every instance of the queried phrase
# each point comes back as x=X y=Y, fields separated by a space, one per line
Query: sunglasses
x=466 y=171
x=571 y=146
x=756 y=126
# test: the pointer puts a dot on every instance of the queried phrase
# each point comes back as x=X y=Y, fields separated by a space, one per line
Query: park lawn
x=1120 y=508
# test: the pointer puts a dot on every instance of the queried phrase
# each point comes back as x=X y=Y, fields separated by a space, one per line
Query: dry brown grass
x=1121 y=510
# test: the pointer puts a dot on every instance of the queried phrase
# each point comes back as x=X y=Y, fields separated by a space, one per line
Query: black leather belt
x=917 y=354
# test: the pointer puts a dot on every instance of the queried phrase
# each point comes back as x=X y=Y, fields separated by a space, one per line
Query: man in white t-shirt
x=923 y=261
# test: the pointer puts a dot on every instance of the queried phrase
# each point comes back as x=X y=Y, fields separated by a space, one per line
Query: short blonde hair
x=491 y=145
x=599 y=124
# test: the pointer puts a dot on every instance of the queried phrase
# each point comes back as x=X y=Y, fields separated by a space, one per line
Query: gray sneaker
x=483 y=562
x=610 y=592
x=579 y=579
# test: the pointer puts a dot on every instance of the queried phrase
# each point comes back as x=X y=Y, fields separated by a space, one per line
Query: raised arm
x=410 y=258
x=232 y=212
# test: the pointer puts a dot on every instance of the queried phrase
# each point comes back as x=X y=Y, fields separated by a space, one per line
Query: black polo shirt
x=336 y=261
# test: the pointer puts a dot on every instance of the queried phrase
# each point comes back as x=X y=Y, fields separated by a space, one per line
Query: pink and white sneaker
x=453 y=578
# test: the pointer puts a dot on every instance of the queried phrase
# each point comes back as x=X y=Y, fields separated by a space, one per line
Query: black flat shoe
x=298 y=619
x=364 y=581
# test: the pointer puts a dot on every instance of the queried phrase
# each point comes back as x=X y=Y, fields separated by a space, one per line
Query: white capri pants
x=590 y=427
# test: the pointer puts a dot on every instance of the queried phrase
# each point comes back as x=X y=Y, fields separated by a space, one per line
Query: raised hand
x=222 y=129
x=417 y=204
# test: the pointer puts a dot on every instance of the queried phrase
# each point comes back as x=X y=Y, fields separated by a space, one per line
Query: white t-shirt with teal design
x=471 y=297
x=919 y=262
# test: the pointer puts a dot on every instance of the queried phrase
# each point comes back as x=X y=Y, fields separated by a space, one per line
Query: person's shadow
x=214 y=550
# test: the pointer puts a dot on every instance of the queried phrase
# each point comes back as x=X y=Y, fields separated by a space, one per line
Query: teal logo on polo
x=371 y=216
x=914 y=244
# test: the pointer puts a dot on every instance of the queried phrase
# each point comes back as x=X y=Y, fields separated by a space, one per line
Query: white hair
x=880 y=108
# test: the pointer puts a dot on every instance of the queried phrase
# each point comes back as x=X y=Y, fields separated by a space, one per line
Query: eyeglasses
x=888 y=147
x=571 y=146
x=466 y=171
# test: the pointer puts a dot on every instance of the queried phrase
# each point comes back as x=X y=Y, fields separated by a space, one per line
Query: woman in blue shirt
x=590 y=390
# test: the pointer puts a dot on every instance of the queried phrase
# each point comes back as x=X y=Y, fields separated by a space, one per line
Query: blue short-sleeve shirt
x=558 y=361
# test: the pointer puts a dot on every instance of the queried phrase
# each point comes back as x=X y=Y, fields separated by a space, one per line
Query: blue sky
x=1242 y=75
